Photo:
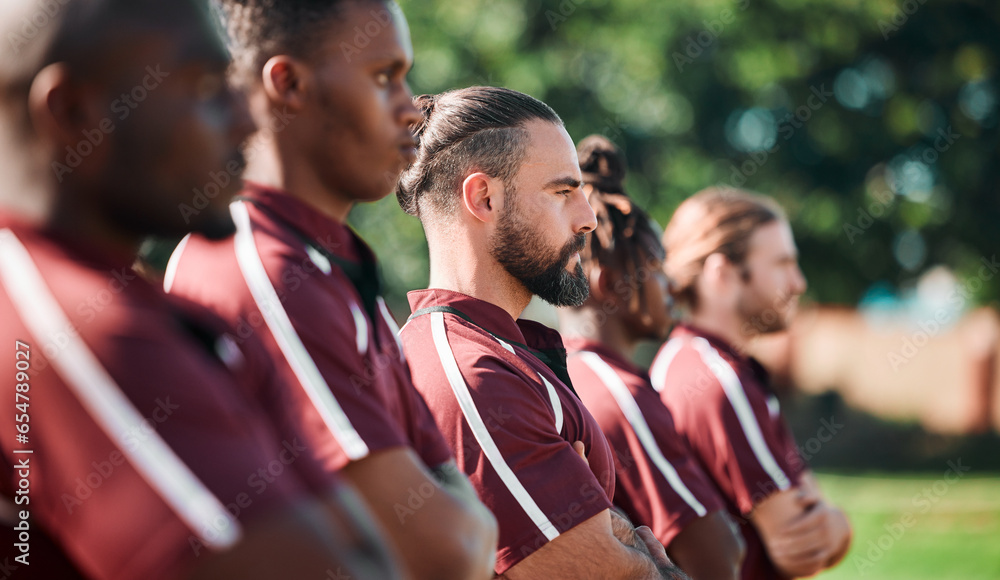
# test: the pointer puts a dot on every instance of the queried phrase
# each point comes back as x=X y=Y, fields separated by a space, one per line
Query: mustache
x=576 y=244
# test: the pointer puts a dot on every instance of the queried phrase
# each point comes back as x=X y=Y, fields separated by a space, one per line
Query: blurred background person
x=734 y=265
x=658 y=481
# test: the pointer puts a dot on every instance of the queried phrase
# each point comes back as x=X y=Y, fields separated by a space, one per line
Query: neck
x=593 y=324
x=271 y=163
x=726 y=326
x=467 y=267
x=83 y=221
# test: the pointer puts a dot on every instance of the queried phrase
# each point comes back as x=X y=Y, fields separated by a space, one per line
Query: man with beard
x=334 y=132
x=496 y=186
x=735 y=267
x=137 y=423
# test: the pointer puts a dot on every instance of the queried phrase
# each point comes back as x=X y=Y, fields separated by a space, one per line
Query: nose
x=799 y=283
x=584 y=219
x=408 y=112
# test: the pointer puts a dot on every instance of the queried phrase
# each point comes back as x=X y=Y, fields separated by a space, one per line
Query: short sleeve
x=658 y=482
x=213 y=453
x=732 y=425
x=529 y=476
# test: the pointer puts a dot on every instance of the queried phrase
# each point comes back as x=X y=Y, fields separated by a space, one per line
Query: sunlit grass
x=919 y=526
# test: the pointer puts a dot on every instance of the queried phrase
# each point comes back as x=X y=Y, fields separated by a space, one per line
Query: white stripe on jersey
x=658 y=372
x=619 y=390
x=556 y=403
x=480 y=431
x=103 y=399
x=302 y=364
x=171 y=272
x=744 y=413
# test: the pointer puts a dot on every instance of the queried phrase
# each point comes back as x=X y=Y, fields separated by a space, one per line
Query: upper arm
x=521 y=466
x=738 y=433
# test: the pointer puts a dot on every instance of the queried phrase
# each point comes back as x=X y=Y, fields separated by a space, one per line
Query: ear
x=59 y=108
x=482 y=196
x=718 y=271
x=286 y=81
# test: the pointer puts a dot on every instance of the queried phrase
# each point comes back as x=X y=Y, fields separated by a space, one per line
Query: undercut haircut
x=625 y=238
x=476 y=129
x=716 y=220
x=257 y=30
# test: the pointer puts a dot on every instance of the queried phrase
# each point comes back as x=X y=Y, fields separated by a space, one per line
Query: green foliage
x=669 y=81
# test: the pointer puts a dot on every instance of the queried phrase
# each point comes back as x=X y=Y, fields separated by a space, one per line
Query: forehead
x=774 y=239
x=550 y=153
x=367 y=30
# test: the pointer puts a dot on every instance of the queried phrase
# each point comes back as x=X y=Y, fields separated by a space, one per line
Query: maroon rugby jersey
x=286 y=277
x=143 y=437
x=722 y=405
x=658 y=482
x=509 y=417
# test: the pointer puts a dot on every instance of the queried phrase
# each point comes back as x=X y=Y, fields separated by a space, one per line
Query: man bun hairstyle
x=625 y=238
x=714 y=220
x=463 y=131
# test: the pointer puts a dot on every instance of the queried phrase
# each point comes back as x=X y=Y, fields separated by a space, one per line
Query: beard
x=763 y=316
x=519 y=249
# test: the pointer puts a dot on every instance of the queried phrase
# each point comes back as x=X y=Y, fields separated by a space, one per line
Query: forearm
x=362 y=533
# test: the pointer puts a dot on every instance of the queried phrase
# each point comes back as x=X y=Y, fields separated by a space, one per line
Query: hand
x=667 y=569
x=807 y=543
x=581 y=450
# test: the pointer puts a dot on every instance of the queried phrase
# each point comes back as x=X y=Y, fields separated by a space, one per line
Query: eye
x=382 y=78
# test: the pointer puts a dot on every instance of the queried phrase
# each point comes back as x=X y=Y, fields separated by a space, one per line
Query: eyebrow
x=565 y=181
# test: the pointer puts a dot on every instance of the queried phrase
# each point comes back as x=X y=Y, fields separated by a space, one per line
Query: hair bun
x=602 y=163
x=425 y=104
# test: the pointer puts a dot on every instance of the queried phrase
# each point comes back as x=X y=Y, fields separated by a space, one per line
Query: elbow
x=465 y=548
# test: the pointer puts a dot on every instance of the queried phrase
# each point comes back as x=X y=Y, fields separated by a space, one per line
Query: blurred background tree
x=874 y=122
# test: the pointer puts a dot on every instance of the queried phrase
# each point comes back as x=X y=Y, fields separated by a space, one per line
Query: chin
x=217 y=227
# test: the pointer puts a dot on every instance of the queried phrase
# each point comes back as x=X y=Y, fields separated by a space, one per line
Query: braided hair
x=626 y=238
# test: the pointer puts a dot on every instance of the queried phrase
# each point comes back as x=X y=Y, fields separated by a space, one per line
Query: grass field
x=919 y=526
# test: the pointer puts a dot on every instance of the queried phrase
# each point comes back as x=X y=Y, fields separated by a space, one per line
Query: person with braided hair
x=658 y=481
